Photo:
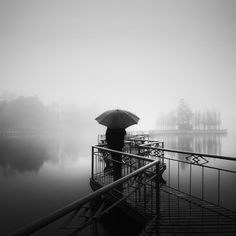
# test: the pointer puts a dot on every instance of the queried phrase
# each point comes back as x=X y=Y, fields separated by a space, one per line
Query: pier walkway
x=166 y=192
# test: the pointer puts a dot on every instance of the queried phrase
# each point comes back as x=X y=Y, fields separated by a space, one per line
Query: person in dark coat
x=115 y=138
x=115 y=141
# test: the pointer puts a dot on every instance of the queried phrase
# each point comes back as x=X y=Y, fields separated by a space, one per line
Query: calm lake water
x=39 y=174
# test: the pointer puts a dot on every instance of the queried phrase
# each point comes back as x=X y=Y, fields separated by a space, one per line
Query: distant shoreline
x=221 y=131
x=25 y=133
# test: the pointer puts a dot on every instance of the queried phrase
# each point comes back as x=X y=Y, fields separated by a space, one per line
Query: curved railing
x=199 y=172
x=130 y=176
x=142 y=166
x=189 y=153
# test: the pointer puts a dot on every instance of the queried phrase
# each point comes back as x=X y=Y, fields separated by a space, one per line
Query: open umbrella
x=117 y=119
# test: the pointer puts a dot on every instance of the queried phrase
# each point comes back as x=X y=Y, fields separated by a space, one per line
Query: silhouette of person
x=115 y=141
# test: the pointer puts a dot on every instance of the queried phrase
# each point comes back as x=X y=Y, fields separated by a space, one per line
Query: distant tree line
x=26 y=114
x=29 y=114
x=183 y=118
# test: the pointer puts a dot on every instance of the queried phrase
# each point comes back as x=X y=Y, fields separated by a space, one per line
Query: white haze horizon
x=142 y=56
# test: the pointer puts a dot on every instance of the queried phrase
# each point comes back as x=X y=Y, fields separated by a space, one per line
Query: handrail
x=190 y=153
x=197 y=164
x=44 y=221
x=123 y=153
x=148 y=140
x=218 y=200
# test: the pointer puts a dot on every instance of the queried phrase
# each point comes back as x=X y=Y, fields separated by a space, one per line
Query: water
x=39 y=174
x=221 y=144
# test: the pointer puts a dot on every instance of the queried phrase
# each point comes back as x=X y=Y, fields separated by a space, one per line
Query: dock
x=150 y=192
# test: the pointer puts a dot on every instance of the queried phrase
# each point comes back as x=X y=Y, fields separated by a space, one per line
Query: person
x=115 y=138
x=115 y=141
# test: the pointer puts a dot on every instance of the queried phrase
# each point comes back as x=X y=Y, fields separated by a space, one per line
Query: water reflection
x=21 y=154
x=202 y=143
x=39 y=174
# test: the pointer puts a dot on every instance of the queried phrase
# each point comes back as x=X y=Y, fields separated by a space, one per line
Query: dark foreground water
x=39 y=174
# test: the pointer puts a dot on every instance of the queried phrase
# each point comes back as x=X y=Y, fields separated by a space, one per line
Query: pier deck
x=179 y=213
x=170 y=211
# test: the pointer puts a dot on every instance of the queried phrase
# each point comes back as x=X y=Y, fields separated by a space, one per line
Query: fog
x=143 y=56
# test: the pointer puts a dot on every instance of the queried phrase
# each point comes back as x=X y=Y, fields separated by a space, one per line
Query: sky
x=142 y=56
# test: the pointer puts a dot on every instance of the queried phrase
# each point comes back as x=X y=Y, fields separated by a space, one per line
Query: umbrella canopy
x=117 y=119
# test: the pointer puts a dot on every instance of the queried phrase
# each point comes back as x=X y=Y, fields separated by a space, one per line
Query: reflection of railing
x=201 y=177
x=135 y=188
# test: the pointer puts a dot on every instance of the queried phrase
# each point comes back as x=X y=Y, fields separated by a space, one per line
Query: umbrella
x=116 y=119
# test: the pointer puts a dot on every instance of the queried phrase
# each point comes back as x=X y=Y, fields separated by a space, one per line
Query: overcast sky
x=143 y=56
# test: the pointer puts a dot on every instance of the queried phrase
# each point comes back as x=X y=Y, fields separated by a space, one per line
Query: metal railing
x=196 y=174
x=140 y=175
x=139 y=192
x=128 y=137
x=133 y=182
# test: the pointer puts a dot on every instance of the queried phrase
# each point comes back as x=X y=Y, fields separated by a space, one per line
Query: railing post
x=202 y=182
x=92 y=167
x=169 y=172
x=139 y=150
x=145 y=197
x=219 y=188
x=178 y=175
x=157 y=196
x=139 y=165
x=190 y=179
x=162 y=153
